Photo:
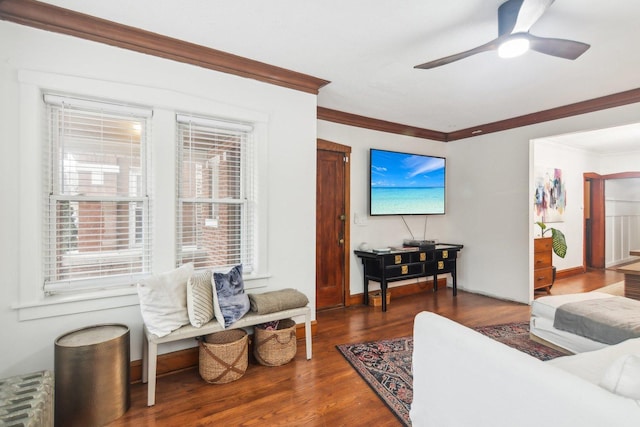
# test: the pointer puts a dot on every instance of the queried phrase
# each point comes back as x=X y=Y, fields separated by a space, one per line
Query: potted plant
x=558 y=240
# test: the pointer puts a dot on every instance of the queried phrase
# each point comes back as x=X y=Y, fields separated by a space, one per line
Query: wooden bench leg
x=145 y=358
x=307 y=333
x=152 y=362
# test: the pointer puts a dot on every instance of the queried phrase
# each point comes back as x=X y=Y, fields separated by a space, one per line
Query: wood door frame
x=322 y=144
x=600 y=203
x=594 y=211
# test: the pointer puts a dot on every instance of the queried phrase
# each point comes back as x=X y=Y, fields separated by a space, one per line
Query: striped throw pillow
x=200 y=298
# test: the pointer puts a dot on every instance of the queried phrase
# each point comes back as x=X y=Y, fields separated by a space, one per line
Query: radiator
x=27 y=400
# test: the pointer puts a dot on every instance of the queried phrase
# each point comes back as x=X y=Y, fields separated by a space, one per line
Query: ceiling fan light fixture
x=515 y=19
x=513 y=47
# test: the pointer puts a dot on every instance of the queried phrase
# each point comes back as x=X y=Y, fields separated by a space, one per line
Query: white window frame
x=247 y=199
x=31 y=302
x=55 y=192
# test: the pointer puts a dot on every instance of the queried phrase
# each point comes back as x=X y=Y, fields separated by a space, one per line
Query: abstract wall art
x=550 y=197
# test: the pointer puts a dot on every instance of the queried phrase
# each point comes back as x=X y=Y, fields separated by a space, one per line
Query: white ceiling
x=367 y=49
x=615 y=140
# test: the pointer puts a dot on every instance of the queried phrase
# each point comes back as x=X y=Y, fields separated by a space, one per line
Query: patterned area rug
x=516 y=335
x=385 y=365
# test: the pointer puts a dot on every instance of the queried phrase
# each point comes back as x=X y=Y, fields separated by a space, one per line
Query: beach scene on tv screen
x=403 y=183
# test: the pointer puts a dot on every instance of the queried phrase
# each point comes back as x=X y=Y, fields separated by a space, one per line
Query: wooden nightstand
x=542 y=263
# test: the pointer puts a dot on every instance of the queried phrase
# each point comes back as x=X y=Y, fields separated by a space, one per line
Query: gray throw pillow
x=231 y=299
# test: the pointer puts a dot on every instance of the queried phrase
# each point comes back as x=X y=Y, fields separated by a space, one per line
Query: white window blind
x=96 y=219
x=216 y=193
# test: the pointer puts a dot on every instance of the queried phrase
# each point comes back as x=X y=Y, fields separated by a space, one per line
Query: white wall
x=380 y=231
x=622 y=229
x=622 y=226
x=493 y=216
x=31 y=60
x=489 y=199
x=573 y=163
x=621 y=162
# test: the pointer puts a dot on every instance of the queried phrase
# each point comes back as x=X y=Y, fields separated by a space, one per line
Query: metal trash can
x=92 y=375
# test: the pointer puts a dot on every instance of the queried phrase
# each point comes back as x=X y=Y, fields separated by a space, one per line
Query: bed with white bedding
x=543 y=310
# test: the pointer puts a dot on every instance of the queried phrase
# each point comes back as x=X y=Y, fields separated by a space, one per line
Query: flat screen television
x=406 y=184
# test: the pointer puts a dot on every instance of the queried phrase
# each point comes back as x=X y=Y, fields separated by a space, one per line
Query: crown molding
x=605 y=102
x=610 y=101
x=377 y=124
x=56 y=19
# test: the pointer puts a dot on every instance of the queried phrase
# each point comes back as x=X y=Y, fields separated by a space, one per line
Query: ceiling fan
x=515 y=18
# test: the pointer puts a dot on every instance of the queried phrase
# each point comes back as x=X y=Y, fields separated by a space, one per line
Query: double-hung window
x=96 y=199
x=216 y=193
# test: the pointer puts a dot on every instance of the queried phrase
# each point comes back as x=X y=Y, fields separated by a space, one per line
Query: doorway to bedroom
x=599 y=169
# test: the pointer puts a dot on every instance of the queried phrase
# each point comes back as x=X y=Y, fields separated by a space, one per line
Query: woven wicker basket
x=224 y=356
x=275 y=347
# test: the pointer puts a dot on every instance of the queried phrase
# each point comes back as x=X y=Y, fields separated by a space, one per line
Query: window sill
x=62 y=305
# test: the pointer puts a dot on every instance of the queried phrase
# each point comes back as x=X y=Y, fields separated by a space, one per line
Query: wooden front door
x=331 y=225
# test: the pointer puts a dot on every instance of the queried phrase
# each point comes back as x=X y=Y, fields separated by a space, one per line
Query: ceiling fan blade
x=492 y=45
x=518 y=16
x=515 y=19
x=567 y=49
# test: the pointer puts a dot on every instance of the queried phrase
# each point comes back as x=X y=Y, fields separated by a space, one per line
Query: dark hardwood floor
x=324 y=391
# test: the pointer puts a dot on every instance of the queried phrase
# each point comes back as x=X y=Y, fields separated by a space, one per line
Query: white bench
x=151 y=341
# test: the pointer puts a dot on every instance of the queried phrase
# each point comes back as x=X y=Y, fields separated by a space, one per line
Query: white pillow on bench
x=163 y=300
x=200 y=298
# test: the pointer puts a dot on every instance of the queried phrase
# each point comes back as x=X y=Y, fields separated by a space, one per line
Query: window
x=96 y=231
x=216 y=193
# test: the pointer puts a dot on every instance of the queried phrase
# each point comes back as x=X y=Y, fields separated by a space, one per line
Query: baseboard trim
x=402 y=290
x=188 y=358
x=563 y=274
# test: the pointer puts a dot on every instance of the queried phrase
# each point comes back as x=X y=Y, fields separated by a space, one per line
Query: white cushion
x=623 y=376
x=592 y=365
x=200 y=298
x=163 y=300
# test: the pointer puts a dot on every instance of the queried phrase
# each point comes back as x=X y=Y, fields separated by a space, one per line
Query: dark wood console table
x=384 y=267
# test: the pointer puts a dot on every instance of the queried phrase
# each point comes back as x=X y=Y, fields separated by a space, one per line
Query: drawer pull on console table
x=384 y=267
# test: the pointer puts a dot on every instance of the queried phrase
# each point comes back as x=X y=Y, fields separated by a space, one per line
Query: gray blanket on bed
x=607 y=320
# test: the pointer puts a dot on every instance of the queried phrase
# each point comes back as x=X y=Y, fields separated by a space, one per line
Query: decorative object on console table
x=384 y=267
x=542 y=269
